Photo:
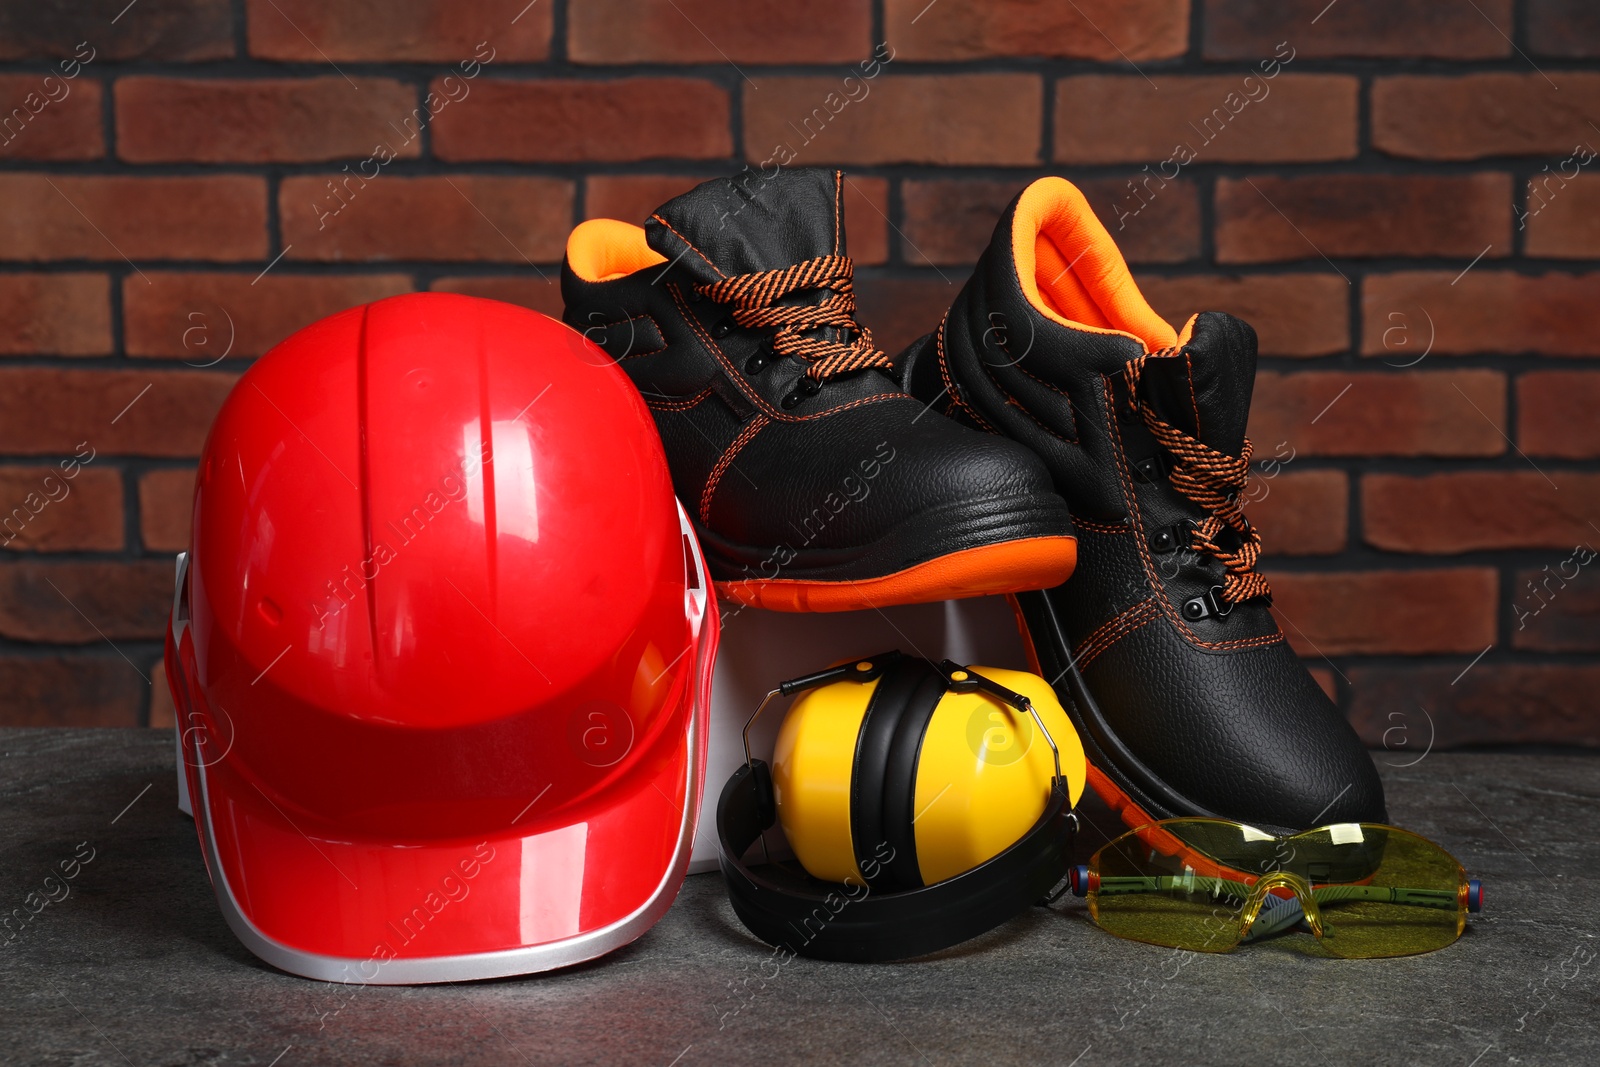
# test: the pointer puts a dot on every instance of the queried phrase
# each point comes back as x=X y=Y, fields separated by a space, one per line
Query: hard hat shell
x=441 y=649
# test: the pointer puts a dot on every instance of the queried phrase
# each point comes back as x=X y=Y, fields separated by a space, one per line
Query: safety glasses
x=1364 y=890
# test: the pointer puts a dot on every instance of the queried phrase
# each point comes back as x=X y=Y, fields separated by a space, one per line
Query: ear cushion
x=851 y=922
x=883 y=776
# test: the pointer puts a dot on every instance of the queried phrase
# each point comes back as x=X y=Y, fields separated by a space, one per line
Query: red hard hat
x=441 y=650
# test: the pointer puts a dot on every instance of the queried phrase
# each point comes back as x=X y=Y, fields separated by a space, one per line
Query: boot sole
x=986 y=553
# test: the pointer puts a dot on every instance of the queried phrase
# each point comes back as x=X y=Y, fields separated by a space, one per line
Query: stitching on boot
x=690 y=243
x=1099 y=527
x=1072 y=414
x=838 y=207
x=1011 y=400
x=680 y=405
x=1115 y=629
x=726 y=461
x=956 y=400
x=1131 y=500
x=647 y=317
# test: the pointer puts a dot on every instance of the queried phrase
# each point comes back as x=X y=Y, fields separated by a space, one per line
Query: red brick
x=720 y=31
x=1556 y=414
x=1556 y=607
x=955 y=119
x=521 y=220
x=1152 y=220
x=1564 y=28
x=1251 y=29
x=1482 y=311
x=442 y=31
x=1299 y=513
x=1562 y=215
x=163 y=713
x=82 y=603
x=200 y=317
x=1472 y=116
x=542 y=294
x=632 y=197
x=175 y=30
x=1117 y=118
x=287 y=120
x=55 y=314
x=85 y=690
x=900 y=310
x=951 y=221
x=166 y=501
x=1382 y=414
x=1492 y=704
x=1389 y=613
x=48 y=411
x=866 y=219
x=557 y=121
x=47 y=116
x=1293 y=314
x=1104 y=30
x=1267 y=219
x=42 y=510
x=221 y=217
x=1323 y=676
x=1471 y=510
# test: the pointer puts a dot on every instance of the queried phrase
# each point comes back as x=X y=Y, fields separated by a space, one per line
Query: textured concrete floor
x=135 y=965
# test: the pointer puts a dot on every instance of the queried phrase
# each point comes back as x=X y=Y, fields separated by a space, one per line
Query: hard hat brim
x=390 y=914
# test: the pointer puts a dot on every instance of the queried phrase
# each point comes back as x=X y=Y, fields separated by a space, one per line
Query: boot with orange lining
x=815 y=482
x=1163 y=650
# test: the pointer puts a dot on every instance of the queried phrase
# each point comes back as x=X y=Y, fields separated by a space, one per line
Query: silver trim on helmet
x=179 y=623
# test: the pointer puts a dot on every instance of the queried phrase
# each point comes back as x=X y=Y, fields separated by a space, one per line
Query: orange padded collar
x=1071 y=270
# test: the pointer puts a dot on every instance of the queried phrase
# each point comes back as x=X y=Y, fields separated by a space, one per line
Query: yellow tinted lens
x=1160 y=885
x=1381 y=891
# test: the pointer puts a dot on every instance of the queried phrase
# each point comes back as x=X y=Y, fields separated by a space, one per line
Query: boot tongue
x=1206 y=393
x=750 y=223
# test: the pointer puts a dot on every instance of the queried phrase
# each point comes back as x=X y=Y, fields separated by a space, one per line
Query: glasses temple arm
x=1323 y=894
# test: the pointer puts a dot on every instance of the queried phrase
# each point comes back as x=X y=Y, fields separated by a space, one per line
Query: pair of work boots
x=1053 y=439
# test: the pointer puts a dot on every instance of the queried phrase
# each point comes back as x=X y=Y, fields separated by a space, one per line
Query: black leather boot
x=814 y=481
x=1188 y=699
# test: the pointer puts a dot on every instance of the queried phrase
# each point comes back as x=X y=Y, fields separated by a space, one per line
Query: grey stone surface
x=135 y=965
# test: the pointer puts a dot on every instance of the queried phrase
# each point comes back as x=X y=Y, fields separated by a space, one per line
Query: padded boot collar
x=1069 y=269
x=750 y=223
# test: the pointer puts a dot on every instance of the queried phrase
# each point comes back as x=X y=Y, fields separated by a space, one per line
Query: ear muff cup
x=867 y=822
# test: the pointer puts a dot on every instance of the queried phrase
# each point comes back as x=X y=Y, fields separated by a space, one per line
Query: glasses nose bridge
x=1280 y=879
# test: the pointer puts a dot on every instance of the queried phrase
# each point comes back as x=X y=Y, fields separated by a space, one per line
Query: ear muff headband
x=883 y=779
x=860 y=922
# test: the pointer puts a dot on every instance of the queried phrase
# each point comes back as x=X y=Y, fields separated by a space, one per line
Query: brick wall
x=1408 y=209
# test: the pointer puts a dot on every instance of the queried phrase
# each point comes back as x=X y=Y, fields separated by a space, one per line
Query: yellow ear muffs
x=926 y=803
x=864 y=770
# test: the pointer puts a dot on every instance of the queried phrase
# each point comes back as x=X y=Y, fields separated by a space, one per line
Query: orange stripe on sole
x=1027 y=563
